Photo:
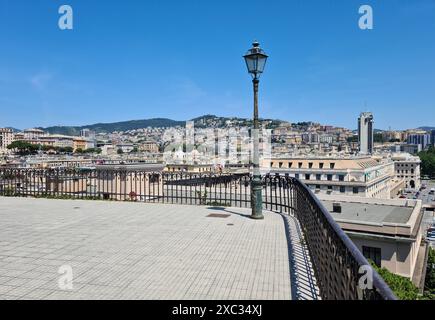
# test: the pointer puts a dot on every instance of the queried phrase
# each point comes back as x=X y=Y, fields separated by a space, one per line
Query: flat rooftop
x=370 y=212
x=124 y=250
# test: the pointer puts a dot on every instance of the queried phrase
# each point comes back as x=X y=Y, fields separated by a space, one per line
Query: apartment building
x=80 y=143
x=420 y=138
x=149 y=146
x=6 y=138
x=33 y=134
x=356 y=176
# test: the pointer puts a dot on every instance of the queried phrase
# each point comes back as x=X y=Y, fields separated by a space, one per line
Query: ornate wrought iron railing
x=339 y=266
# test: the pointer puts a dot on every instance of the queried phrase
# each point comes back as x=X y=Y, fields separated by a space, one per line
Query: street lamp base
x=257 y=217
x=256 y=198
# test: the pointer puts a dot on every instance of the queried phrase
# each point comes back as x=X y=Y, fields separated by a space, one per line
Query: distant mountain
x=115 y=126
x=426 y=128
x=13 y=129
x=206 y=121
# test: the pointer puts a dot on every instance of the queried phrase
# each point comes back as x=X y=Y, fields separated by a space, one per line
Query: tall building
x=432 y=137
x=419 y=138
x=6 y=138
x=365 y=132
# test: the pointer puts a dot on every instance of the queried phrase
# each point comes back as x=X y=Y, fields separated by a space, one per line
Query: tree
x=428 y=162
x=429 y=284
x=378 y=137
x=352 y=139
x=402 y=287
x=120 y=151
x=23 y=147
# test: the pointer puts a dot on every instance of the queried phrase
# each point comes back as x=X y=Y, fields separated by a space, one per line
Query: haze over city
x=180 y=60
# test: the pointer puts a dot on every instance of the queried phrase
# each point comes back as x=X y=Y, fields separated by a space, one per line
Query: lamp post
x=255 y=60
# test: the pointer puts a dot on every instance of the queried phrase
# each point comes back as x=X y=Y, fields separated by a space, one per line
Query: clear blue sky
x=180 y=59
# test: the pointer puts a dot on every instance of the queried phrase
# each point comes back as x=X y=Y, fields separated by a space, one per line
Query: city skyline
x=118 y=63
x=84 y=125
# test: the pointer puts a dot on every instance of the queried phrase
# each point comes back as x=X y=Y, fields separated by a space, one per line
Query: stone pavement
x=124 y=250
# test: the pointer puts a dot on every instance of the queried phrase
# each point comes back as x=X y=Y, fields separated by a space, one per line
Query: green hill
x=115 y=126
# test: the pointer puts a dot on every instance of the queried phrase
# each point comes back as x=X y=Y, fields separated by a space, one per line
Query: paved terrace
x=149 y=251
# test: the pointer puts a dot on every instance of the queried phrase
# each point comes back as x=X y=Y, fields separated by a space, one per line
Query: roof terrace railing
x=342 y=272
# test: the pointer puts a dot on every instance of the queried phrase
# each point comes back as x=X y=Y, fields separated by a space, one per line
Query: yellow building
x=79 y=143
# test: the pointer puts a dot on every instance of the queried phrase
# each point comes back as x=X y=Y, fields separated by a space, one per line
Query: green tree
x=402 y=287
x=428 y=162
x=23 y=147
x=429 y=284
x=378 y=137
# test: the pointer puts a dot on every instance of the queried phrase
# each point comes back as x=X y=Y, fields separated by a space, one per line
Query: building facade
x=422 y=139
x=365 y=133
x=6 y=138
x=355 y=176
x=407 y=167
x=388 y=232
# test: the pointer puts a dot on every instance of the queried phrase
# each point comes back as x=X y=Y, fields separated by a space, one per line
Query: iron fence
x=337 y=262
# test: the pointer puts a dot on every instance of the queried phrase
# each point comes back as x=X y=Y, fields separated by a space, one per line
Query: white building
x=6 y=138
x=365 y=133
x=33 y=134
x=407 y=167
x=354 y=176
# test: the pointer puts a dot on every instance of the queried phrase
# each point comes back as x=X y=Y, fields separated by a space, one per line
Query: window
x=373 y=254
x=297 y=175
x=307 y=176
x=318 y=177
x=290 y=164
x=280 y=164
x=342 y=189
x=340 y=177
x=321 y=165
x=271 y=164
x=310 y=165
x=329 y=187
x=332 y=165
x=317 y=186
x=329 y=176
x=355 y=190
x=300 y=164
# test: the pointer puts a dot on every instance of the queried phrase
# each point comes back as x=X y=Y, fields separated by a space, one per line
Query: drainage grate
x=218 y=215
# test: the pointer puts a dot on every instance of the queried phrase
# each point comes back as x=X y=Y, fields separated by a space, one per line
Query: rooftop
x=369 y=212
x=125 y=250
x=388 y=217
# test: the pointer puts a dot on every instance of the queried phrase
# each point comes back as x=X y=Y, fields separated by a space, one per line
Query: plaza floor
x=73 y=249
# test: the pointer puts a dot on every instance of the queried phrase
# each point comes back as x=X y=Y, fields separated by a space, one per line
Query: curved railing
x=341 y=270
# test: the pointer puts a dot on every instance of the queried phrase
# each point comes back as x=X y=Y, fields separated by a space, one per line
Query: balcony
x=132 y=244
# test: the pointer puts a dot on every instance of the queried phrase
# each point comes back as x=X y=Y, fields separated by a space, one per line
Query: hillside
x=426 y=128
x=206 y=121
x=115 y=126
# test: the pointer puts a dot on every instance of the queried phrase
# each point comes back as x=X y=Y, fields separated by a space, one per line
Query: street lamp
x=255 y=60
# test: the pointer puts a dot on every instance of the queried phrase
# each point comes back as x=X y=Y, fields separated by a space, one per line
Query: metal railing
x=338 y=264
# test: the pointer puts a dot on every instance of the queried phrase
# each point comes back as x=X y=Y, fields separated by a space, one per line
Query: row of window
x=310 y=165
x=329 y=177
x=355 y=190
x=405 y=171
x=404 y=165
